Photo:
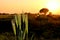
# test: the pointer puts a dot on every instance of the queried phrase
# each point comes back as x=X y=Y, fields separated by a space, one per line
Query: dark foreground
x=7 y=36
x=44 y=27
x=39 y=28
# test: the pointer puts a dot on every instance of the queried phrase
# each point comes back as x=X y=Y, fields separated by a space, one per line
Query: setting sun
x=52 y=5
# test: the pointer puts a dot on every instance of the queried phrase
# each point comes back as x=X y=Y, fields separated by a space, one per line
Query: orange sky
x=17 y=6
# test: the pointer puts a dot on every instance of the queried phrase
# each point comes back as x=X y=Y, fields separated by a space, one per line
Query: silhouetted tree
x=50 y=13
x=44 y=10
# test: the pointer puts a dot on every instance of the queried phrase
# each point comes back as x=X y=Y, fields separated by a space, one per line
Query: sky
x=33 y=6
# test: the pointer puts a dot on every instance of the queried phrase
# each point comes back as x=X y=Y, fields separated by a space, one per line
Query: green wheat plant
x=21 y=34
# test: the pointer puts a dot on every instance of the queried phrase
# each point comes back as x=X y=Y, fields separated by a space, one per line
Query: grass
x=45 y=27
x=42 y=28
x=7 y=36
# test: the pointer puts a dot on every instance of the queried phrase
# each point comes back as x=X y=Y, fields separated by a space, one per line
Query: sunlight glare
x=52 y=5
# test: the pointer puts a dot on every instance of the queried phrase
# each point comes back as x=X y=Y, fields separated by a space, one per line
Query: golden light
x=52 y=5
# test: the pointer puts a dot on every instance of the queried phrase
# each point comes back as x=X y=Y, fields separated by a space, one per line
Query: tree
x=50 y=13
x=44 y=10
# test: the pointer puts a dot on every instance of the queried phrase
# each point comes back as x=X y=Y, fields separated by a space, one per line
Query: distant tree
x=50 y=13
x=44 y=10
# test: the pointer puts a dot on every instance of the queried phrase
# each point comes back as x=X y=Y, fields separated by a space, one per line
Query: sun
x=52 y=5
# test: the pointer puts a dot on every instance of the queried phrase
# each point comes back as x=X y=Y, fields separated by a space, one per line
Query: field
x=44 y=27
